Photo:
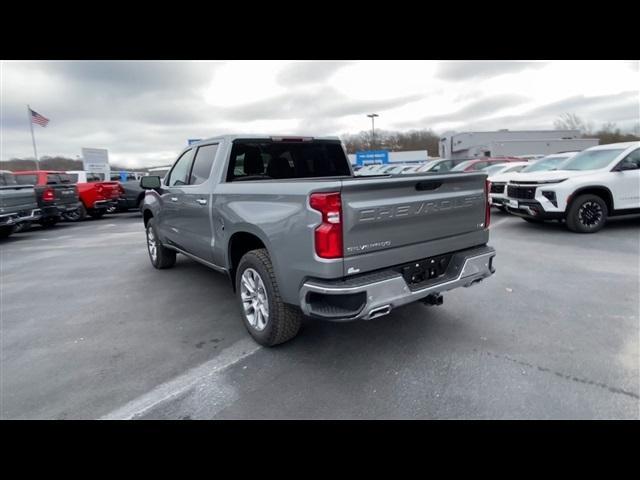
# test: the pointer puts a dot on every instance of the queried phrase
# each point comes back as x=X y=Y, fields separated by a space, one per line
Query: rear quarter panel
x=278 y=213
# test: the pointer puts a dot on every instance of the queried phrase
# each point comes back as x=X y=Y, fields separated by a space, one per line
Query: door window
x=180 y=172
x=202 y=164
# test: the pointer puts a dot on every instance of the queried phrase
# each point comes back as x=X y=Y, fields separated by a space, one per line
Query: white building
x=506 y=142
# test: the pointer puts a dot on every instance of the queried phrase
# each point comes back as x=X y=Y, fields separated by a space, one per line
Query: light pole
x=373 y=131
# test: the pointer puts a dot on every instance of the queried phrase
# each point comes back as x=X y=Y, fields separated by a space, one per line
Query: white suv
x=595 y=184
x=498 y=193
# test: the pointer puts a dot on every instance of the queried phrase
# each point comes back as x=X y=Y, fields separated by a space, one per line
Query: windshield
x=592 y=159
x=494 y=169
x=461 y=166
x=545 y=164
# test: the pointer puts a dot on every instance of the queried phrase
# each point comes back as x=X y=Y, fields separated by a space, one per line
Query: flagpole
x=33 y=138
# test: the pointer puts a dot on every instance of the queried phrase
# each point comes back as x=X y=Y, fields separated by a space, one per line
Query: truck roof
x=235 y=136
x=610 y=146
x=39 y=171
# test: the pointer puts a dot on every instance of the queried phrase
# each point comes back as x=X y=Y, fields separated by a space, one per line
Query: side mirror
x=150 y=182
x=627 y=166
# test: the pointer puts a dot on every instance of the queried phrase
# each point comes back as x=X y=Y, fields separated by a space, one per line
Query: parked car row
x=47 y=197
x=580 y=189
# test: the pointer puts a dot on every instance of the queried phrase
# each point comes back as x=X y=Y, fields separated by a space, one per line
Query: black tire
x=77 y=215
x=6 y=230
x=587 y=214
x=22 y=227
x=164 y=257
x=284 y=320
x=49 y=222
x=98 y=214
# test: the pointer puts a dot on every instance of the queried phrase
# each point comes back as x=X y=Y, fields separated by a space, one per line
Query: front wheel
x=587 y=214
x=161 y=257
x=268 y=319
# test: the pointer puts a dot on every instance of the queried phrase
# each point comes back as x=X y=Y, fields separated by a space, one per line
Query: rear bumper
x=58 y=210
x=100 y=204
x=30 y=215
x=373 y=295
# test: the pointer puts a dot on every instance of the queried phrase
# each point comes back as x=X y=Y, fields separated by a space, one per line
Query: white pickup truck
x=597 y=183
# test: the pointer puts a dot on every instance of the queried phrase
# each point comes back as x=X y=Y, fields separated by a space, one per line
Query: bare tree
x=571 y=121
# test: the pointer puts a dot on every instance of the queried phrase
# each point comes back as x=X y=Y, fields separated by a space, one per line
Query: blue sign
x=123 y=176
x=371 y=157
x=191 y=141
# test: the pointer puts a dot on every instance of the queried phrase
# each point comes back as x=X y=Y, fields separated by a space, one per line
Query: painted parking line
x=173 y=388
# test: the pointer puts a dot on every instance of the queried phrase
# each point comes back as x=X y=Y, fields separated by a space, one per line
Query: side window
x=180 y=172
x=633 y=157
x=202 y=164
x=479 y=166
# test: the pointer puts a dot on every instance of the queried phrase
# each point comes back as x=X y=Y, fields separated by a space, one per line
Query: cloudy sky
x=143 y=112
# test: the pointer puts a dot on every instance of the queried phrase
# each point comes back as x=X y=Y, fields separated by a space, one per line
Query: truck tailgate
x=391 y=220
x=18 y=197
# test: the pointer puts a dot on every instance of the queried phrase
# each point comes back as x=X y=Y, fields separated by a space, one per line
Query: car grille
x=527 y=193
x=497 y=187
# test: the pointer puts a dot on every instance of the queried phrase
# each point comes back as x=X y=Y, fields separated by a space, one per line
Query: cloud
x=144 y=112
x=303 y=73
x=475 y=70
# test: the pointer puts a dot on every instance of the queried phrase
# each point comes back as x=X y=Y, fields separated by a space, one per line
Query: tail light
x=48 y=195
x=120 y=189
x=328 y=235
x=487 y=211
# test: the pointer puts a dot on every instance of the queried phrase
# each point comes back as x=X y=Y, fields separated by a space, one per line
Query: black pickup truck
x=56 y=192
x=18 y=204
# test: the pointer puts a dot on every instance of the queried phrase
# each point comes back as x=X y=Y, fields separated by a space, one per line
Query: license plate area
x=421 y=271
x=513 y=203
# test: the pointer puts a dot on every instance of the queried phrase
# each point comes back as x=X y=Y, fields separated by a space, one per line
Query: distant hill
x=51 y=163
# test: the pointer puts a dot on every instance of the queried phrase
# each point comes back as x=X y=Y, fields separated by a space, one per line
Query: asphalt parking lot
x=91 y=330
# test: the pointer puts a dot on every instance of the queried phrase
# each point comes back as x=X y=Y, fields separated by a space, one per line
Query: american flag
x=38 y=119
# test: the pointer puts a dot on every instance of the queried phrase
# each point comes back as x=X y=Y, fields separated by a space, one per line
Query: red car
x=96 y=195
x=482 y=163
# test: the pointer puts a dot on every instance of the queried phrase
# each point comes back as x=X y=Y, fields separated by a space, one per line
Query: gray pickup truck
x=298 y=234
x=18 y=205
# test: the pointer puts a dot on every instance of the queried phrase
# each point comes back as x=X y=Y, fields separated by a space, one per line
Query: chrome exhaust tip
x=379 y=312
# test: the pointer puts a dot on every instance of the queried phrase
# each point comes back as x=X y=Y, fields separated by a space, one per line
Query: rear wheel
x=268 y=319
x=76 y=215
x=5 y=231
x=587 y=214
x=161 y=257
x=49 y=222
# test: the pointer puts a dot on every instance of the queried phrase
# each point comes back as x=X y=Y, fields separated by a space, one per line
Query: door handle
x=174 y=199
x=201 y=201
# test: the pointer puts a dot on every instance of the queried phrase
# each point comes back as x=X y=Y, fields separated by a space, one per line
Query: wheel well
x=239 y=244
x=147 y=215
x=601 y=192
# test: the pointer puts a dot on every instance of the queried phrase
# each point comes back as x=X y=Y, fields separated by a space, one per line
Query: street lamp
x=373 y=132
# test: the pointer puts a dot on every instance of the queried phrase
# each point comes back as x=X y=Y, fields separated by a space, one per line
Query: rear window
x=7 y=179
x=266 y=159
x=94 y=177
x=55 y=178
x=26 y=179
